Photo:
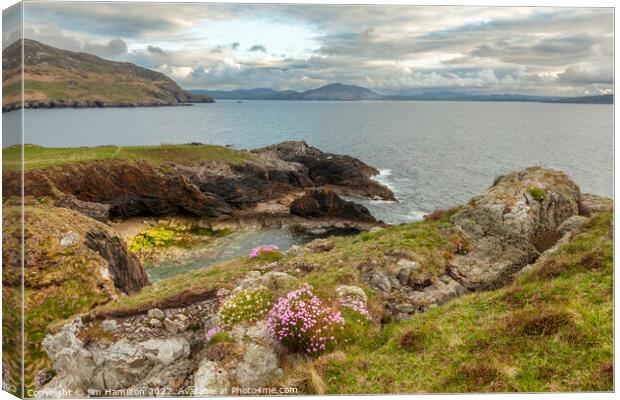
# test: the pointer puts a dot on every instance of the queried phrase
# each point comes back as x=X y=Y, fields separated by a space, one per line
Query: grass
x=36 y=157
x=60 y=282
x=544 y=332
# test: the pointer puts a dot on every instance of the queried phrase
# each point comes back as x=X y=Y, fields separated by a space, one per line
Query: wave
x=384 y=178
x=415 y=215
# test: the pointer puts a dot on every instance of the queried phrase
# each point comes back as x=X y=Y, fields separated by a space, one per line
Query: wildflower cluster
x=245 y=305
x=257 y=251
x=301 y=322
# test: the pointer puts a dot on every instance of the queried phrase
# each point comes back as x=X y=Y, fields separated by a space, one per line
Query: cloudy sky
x=390 y=49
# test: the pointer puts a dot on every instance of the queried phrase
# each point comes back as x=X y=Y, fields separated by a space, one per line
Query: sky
x=389 y=49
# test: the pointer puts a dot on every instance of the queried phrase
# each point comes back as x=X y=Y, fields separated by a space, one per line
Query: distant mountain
x=61 y=78
x=339 y=91
x=334 y=91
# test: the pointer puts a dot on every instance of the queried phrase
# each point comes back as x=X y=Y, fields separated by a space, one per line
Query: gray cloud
x=258 y=47
x=113 y=48
x=155 y=50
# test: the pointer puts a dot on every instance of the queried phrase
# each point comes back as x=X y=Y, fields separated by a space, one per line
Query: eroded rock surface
x=509 y=225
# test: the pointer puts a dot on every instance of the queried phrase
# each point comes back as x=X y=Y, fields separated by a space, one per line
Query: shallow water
x=226 y=248
x=432 y=154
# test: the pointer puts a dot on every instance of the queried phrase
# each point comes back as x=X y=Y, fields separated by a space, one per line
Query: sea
x=431 y=154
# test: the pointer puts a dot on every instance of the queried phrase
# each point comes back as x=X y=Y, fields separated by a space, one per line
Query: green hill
x=61 y=78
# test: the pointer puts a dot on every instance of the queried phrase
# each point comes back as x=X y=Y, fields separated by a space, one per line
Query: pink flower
x=302 y=323
x=211 y=332
x=256 y=251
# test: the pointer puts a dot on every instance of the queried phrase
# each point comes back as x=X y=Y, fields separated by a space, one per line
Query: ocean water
x=431 y=154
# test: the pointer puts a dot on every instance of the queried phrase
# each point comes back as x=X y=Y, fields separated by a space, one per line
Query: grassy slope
x=59 y=281
x=428 y=240
x=551 y=330
x=40 y=157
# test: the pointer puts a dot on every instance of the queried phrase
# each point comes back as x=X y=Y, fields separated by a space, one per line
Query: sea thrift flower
x=212 y=332
x=301 y=322
x=257 y=251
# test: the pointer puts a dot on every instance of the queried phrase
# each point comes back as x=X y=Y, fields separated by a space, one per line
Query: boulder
x=325 y=203
x=511 y=223
x=259 y=367
x=210 y=379
x=405 y=269
x=345 y=293
x=380 y=281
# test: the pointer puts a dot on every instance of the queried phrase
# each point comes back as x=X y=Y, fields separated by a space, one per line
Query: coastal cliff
x=438 y=299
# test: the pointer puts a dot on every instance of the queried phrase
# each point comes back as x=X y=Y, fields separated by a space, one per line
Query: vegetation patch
x=36 y=157
x=537 y=193
x=245 y=305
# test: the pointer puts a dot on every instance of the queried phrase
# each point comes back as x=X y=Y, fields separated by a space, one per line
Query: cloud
x=113 y=48
x=585 y=74
x=550 y=50
x=155 y=50
x=258 y=47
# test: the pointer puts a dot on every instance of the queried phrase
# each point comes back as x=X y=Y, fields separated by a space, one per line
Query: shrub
x=302 y=323
x=245 y=305
x=537 y=193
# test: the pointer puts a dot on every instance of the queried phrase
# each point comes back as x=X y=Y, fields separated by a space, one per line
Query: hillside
x=512 y=291
x=61 y=78
x=334 y=91
x=339 y=91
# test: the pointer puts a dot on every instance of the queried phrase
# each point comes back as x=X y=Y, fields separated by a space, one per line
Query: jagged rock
x=109 y=325
x=380 y=281
x=258 y=368
x=508 y=228
x=156 y=313
x=572 y=224
x=331 y=169
x=592 y=204
x=321 y=245
x=96 y=211
x=125 y=268
x=210 y=379
x=322 y=202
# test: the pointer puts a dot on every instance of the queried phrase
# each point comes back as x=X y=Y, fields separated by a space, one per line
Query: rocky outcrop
x=350 y=175
x=119 y=189
x=322 y=202
x=124 y=267
x=509 y=225
x=142 y=357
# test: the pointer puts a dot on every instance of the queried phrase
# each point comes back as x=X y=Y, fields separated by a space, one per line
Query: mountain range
x=339 y=91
